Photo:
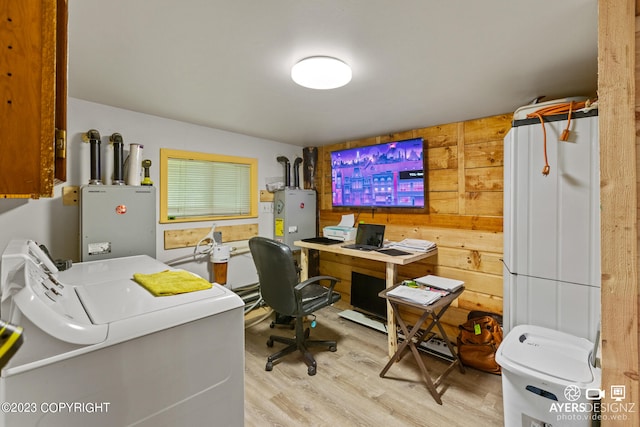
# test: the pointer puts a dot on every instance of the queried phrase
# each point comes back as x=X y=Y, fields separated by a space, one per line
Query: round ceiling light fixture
x=321 y=72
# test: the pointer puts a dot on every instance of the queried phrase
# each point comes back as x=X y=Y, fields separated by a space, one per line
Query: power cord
x=562 y=108
x=197 y=252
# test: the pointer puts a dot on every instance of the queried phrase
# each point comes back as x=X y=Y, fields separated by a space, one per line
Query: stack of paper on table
x=415 y=245
x=417 y=295
x=450 y=285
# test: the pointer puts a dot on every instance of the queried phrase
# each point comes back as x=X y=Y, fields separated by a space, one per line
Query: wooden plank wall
x=464 y=215
x=619 y=117
x=189 y=237
x=633 y=361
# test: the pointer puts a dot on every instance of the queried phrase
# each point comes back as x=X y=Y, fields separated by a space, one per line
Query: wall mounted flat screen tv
x=381 y=175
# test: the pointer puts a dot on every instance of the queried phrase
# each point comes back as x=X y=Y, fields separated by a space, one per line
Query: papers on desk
x=444 y=283
x=417 y=295
x=414 y=245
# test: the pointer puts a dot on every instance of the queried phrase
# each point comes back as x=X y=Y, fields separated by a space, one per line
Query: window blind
x=208 y=188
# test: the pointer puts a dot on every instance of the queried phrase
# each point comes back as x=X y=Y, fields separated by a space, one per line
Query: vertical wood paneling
x=617 y=47
x=485 y=202
x=484 y=154
x=460 y=167
x=492 y=128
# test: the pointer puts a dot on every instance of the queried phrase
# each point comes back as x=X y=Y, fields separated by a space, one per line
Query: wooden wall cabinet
x=33 y=97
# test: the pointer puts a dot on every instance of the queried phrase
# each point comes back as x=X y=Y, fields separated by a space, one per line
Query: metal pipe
x=296 y=172
x=118 y=158
x=93 y=138
x=287 y=171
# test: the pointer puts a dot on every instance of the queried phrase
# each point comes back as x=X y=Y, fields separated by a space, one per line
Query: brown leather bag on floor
x=478 y=342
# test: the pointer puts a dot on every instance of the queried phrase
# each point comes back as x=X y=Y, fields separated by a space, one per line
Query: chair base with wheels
x=281 y=320
x=300 y=342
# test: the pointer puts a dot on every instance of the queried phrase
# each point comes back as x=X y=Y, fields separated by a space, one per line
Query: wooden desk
x=432 y=313
x=391 y=272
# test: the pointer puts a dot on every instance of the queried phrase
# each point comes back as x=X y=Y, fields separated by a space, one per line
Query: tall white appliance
x=552 y=225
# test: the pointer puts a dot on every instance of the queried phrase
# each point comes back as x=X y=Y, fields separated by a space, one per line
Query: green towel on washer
x=171 y=282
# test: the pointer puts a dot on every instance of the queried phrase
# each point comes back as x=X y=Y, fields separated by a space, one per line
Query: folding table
x=431 y=315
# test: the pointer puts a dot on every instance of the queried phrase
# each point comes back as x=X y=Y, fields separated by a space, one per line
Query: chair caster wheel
x=272 y=325
x=269 y=344
x=269 y=366
x=311 y=370
x=333 y=348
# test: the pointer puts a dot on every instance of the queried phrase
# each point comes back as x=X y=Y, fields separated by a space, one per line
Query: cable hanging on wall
x=562 y=108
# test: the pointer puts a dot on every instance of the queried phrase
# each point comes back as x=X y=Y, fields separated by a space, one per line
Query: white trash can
x=547 y=378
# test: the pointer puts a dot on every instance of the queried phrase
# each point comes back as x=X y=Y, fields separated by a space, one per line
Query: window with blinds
x=201 y=186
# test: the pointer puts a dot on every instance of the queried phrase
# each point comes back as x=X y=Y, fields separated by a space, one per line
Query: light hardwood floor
x=347 y=389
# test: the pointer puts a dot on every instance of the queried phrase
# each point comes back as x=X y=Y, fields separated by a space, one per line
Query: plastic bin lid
x=532 y=349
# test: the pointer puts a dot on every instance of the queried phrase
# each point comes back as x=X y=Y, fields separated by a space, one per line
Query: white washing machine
x=100 y=350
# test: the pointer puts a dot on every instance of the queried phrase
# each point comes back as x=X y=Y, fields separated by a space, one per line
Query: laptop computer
x=369 y=237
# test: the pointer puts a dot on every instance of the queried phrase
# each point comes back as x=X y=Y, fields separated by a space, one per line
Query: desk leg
x=392 y=334
x=304 y=264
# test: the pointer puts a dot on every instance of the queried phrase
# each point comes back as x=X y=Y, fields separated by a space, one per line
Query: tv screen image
x=381 y=175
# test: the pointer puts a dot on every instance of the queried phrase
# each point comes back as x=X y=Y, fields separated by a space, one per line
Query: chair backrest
x=277 y=273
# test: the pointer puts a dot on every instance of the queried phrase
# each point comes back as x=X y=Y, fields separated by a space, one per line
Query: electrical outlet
x=266 y=207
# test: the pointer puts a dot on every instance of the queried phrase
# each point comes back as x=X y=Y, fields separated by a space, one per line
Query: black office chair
x=281 y=290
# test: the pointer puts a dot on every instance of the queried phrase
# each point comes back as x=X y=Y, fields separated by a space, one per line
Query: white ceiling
x=416 y=63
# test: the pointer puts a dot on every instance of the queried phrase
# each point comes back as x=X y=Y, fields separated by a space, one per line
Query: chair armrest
x=312 y=281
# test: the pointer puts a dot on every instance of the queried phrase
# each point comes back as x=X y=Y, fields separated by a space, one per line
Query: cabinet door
x=28 y=96
x=62 y=18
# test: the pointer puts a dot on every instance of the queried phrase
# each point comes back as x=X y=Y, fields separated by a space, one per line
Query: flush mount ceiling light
x=321 y=72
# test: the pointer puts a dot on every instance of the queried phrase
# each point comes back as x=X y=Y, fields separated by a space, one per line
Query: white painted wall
x=48 y=221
